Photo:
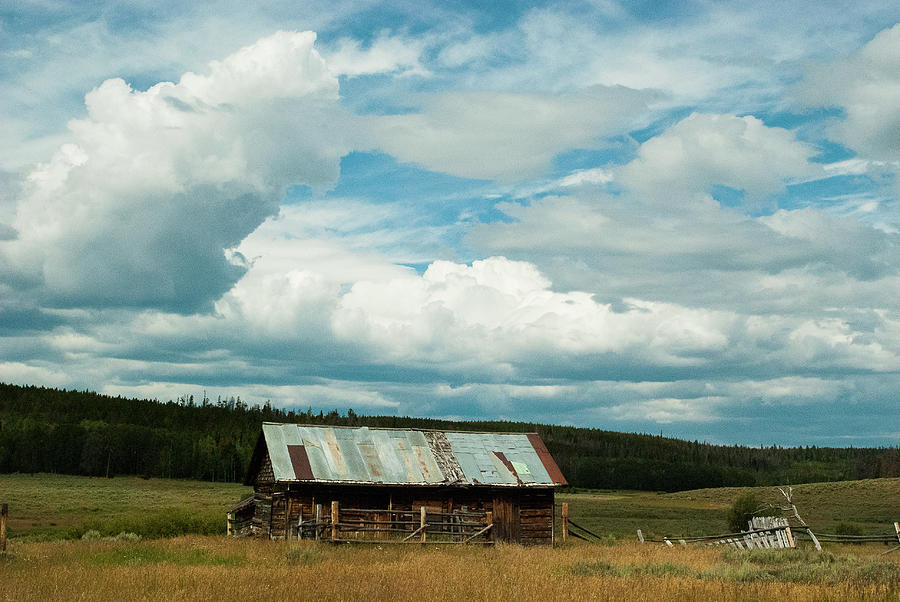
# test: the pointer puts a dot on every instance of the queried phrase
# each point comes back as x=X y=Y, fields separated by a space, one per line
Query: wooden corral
x=388 y=483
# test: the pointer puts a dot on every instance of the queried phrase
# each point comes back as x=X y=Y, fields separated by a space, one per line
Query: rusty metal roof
x=408 y=456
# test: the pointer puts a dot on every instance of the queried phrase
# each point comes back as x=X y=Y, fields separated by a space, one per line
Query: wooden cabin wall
x=241 y=523
x=536 y=510
x=520 y=516
x=261 y=522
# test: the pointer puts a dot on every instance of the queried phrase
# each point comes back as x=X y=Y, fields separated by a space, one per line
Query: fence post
x=640 y=536
x=422 y=524
x=565 y=520
x=318 y=520
x=335 y=518
x=228 y=519
x=3 y=512
x=896 y=528
x=300 y=523
x=287 y=518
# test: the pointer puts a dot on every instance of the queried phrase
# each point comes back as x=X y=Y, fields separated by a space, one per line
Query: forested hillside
x=50 y=430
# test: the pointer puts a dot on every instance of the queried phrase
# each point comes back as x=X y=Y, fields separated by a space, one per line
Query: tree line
x=81 y=432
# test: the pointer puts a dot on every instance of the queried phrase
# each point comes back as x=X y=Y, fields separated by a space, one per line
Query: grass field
x=45 y=509
x=47 y=506
x=871 y=505
x=216 y=568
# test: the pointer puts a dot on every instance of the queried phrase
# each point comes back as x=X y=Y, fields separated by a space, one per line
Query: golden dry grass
x=217 y=568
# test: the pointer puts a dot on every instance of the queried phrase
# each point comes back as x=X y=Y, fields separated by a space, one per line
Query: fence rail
x=773 y=532
x=370 y=525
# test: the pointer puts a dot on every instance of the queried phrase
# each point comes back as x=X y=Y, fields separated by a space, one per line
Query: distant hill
x=75 y=432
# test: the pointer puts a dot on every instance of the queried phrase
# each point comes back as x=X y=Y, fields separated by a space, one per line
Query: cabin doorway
x=506 y=519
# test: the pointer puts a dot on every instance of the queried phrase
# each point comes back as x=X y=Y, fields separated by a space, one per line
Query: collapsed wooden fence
x=775 y=533
x=763 y=533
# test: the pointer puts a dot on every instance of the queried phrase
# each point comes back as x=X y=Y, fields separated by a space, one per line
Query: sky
x=675 y=218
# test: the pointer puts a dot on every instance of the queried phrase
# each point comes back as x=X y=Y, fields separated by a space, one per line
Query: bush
x=847 y=529
x=741 y=511
x=125 y=536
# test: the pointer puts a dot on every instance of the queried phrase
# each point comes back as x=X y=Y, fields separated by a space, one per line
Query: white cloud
x=155 y=185
x=722 y=56
x=506 y=136
x=670 y=409
x=661 y=240
x=867 y=86
x=702 y=151
x=497 y=311
x=386 y=54
x=594 y=175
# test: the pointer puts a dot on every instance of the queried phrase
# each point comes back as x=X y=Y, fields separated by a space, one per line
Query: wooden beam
x=318 y=519
x=477 y=533
x=422 y=524
x=287 y=519
x=565 y=520
x=4 y=510
x=335 y=519
x=411 y=535
x=300 y=523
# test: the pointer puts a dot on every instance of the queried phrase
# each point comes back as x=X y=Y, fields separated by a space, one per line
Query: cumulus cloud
x=866 y=85
x=662 y=237
x=498 y=313
x=139 y=208
x=794 y=261
x=703 y=151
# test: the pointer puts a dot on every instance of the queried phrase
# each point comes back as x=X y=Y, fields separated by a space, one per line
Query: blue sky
x=655 y=217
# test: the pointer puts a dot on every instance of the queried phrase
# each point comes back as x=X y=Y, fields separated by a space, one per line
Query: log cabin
x=299 y=473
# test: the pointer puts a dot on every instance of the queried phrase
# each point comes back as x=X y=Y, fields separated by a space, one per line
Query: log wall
x=520 y=516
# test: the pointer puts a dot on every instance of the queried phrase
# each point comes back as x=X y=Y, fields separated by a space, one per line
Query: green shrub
x=125 y=536
x=741 y=511
x=843 y=528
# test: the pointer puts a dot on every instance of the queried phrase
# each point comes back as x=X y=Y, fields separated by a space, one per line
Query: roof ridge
x=398 y=428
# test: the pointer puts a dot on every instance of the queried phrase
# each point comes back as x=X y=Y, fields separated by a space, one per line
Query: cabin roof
x=379 y=456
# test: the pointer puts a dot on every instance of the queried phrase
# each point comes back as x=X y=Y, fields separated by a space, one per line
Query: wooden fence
x=770 y=532
x=365 y=525
x=764 y=532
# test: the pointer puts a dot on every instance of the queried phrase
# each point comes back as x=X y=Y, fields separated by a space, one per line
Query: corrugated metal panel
x=477 y=455
x=407 y=457
x=547 y=460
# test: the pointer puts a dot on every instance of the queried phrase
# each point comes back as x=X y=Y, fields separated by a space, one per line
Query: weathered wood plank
x=4 y=511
